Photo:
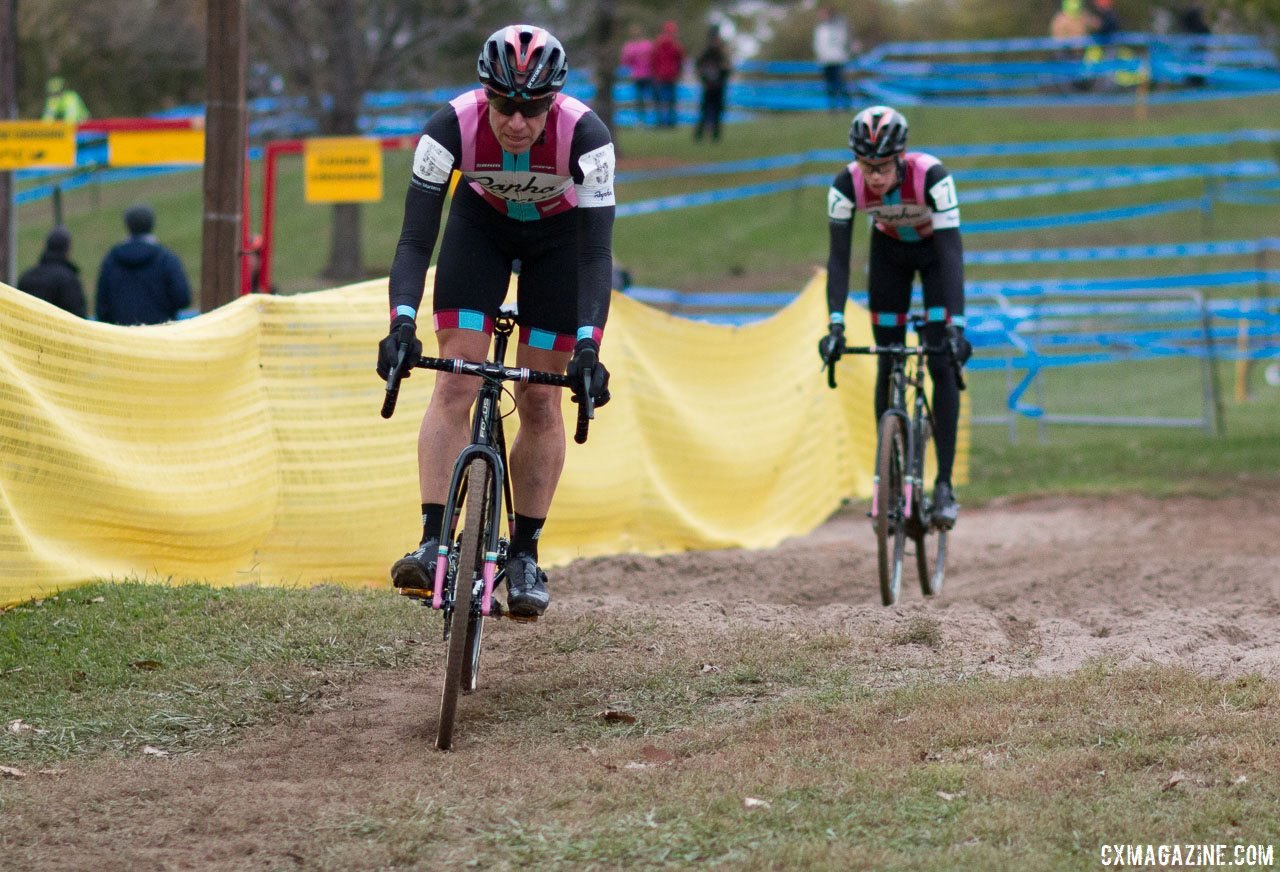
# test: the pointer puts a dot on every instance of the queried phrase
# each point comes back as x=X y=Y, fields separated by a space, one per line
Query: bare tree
x=334 y=52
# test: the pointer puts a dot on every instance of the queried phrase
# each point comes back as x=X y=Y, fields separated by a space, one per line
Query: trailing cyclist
x=910 y=199
x=537 y=175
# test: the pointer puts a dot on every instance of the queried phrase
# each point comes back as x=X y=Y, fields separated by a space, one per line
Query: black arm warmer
x=840 y=249
x=413 y=251
x=595 y=231
x=595 y=265
x=423 y=205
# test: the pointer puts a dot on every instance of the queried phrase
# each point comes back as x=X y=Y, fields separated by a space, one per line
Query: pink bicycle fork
x=490 y=574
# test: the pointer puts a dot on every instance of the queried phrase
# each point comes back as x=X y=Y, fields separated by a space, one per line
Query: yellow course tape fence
x=246 y=446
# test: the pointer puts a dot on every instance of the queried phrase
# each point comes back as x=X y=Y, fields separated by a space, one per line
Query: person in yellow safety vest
x=63 y=104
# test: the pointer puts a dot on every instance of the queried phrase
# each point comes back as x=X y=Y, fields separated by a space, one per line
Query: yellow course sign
x=26 y=144
x=144 y=148
x=343 y=169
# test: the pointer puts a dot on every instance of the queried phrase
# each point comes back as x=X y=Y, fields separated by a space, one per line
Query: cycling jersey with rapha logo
x=924 y=200
x=551 y=208
x=915 y=231
x=570 y=164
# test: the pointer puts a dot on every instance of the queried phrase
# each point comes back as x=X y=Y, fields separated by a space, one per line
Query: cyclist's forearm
x=595 y=268
x=413 y=251
x=838 y=257
x=949 y=252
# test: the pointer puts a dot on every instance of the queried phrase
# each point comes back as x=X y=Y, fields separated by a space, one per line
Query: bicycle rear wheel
x=930 y=542
x=888 y=510
x=458 y=661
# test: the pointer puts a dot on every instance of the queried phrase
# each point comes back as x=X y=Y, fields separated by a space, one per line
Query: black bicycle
x=901 y=505
x=472 y=557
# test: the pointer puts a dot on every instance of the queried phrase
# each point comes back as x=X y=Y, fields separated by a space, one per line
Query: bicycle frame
x=901 y=378
x=472 y=551
x=488 y=442
x=908 y=373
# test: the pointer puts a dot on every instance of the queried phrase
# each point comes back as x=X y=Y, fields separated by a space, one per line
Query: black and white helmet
x=878 y=132
x=522 y=61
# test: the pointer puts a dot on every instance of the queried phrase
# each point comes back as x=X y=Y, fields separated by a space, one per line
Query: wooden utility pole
x=8 y=110
x=224 y=142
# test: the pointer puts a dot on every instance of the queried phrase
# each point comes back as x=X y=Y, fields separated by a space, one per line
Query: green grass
x=868 y=750
x=109 y=668
x=765 y=233
x=1075 y=459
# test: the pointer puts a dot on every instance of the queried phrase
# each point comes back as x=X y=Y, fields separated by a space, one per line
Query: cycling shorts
x=474 y=270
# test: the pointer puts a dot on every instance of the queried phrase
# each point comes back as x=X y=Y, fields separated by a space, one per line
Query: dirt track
x=1036 y=587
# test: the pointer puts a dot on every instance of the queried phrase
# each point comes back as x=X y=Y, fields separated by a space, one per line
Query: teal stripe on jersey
x=519 y=163
x=906 y=234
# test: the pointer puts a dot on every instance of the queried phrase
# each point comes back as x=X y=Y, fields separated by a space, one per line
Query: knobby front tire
x=890 y=498
x=931 y=567
x=457 y=664
x=475 y=626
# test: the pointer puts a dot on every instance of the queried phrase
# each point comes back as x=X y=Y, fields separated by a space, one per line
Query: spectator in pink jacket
x=668 y=62
x=637 y=59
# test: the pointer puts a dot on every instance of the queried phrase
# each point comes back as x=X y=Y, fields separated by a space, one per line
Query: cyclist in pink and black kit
x=910 y=199
x=537 y=170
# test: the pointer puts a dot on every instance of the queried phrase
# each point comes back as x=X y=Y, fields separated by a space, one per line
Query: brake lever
x=393 y=381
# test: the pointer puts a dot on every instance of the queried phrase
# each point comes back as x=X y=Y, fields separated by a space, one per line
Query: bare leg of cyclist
x=446 y=425
x=537 y=452
x=537 y=459
x=445 y=430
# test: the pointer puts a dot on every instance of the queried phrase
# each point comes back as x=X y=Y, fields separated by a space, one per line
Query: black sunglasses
x=528 y=108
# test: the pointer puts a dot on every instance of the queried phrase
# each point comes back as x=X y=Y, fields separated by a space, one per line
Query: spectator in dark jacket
x=713 y=74
x=55 y=279
x=141 y=281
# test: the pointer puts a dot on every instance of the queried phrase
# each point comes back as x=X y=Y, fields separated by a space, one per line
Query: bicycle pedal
x=418 y=593
x=523 y=619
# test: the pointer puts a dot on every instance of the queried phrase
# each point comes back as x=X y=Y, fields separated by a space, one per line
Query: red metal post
x=274 y=150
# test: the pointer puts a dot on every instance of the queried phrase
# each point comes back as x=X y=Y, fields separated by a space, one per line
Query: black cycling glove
x=961 y=349
x=587 y=356
x=402 y=330
x=831 y=346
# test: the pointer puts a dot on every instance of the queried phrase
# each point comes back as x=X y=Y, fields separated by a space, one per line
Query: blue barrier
x=1121 y=252
x=752 y=305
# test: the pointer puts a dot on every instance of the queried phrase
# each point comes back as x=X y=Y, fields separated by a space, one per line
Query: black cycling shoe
x=417 y=569
x=945 y=507
x=527 y=595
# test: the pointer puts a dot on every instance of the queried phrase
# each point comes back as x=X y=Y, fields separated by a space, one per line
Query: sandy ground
x=1036 y=587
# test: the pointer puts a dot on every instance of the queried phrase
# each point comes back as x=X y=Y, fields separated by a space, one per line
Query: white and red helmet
x=522 y=61
x=878 y=132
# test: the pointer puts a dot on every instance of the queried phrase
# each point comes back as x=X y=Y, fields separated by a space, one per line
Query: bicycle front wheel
x=889 y=505
x=458 y=663
x=930 y=542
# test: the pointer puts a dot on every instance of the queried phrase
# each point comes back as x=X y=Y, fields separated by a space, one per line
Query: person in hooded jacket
x=55 y=279
x=141 y=281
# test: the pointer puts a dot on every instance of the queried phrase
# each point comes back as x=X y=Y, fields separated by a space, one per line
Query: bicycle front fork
x=447 y=566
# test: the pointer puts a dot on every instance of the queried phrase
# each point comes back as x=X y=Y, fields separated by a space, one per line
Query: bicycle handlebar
x=491 y=372
x=903 y=351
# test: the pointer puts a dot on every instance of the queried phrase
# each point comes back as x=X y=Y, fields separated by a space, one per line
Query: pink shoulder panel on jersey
x=917 y=165
x=859 y=189
x=570 y=111
x=468 y=107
